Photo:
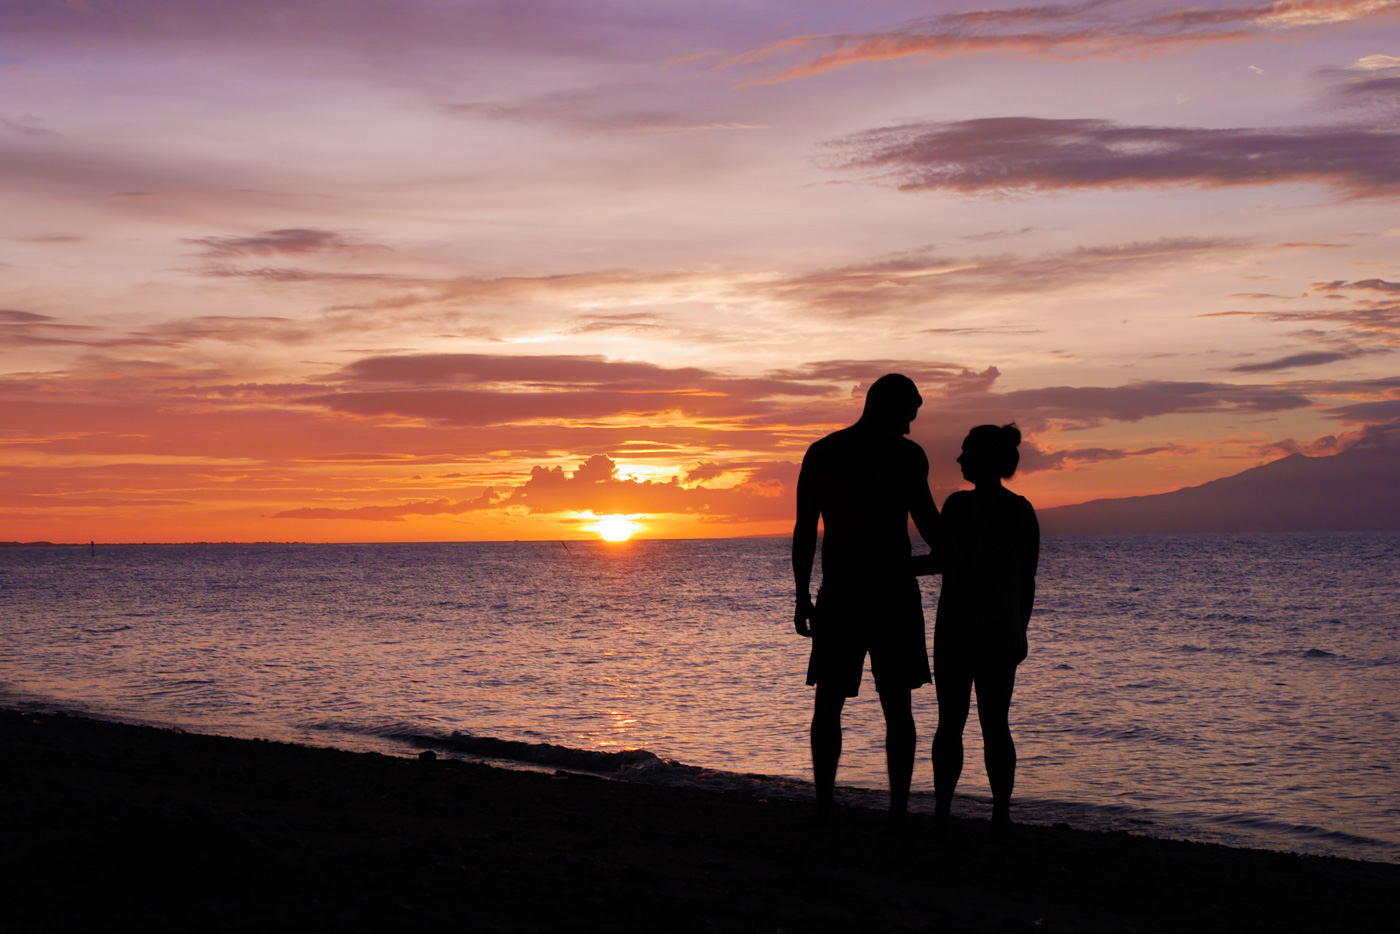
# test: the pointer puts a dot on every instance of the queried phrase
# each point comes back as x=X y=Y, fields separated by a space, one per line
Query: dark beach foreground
x=112 y=826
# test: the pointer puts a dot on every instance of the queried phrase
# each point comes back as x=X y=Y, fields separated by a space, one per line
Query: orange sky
x=477 y=271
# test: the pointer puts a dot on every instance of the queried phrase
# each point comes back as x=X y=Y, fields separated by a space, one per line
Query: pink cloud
x=1087 y=30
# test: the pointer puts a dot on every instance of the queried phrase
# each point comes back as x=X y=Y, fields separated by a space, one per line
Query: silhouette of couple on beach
x=865 y=483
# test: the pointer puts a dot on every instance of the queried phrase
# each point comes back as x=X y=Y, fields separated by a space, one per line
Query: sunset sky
x=352 y=270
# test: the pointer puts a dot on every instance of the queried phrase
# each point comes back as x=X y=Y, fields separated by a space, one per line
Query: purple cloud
x=27 y=126
x=1010 y=154
x=1135 y=401
x=291 y=241
x=1314 y=358
x=1370 y=85
x=1034 y=459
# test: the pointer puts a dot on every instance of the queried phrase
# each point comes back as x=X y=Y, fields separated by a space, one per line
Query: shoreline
x=107 y=822
x=617 y=765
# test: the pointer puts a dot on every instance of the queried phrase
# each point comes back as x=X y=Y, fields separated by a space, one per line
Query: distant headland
x=1356 y=490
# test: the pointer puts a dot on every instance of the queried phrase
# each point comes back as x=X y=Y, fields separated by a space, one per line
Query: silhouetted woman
x=991 y=545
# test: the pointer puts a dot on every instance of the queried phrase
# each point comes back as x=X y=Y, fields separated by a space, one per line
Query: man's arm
x=925 y=515
x=804 y=549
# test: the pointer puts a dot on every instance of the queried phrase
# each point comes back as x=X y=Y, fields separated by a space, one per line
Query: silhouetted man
x=865 y=482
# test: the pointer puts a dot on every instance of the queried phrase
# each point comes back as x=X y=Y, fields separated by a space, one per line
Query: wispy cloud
x=51 y=238
x=292 y=241
x=1293 y=361
x=617 y=109
x=1034 y=459
x=27 y=126
x=916 y=281
x=523 y=370
x=1373 y=323
x=396 y=32
x=30 y=329
x=1134 y=402
x=233 y=330
x=662 y=303
x=639 y=321
x=394 y=513
x=1095 y=29
x=1027 y=154
x=1365 y=285
x=1370 y=86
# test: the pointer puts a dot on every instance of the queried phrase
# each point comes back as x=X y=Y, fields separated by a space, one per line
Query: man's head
x=891 y=403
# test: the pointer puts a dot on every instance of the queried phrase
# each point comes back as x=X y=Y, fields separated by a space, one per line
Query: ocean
x=1238 y=689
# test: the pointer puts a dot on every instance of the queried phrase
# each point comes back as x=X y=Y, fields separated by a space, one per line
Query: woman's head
x=990 y=451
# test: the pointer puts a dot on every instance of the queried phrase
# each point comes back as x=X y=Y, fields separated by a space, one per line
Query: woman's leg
x=953 y=682
x=995 y=682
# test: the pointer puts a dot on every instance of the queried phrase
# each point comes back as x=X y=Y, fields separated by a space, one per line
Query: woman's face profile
x=973 y=463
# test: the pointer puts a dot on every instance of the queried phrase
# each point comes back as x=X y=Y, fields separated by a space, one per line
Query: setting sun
x=614 y=528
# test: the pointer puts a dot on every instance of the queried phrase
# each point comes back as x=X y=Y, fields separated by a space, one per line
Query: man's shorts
x=885 y=619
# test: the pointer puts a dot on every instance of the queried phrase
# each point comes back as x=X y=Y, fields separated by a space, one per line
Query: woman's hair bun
x=999 y=444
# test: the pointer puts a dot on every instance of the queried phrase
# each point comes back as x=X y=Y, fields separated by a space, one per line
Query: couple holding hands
x=865 y=483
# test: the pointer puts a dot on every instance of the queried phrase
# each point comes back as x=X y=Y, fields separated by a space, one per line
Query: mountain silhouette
x=1356 y=490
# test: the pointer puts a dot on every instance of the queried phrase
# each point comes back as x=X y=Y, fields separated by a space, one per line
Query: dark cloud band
x=1009 y=154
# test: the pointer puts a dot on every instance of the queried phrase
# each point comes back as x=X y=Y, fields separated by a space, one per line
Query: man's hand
x=802 y=616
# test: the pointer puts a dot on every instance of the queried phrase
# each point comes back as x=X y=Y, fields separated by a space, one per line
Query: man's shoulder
x=913 y=449
x=853 y=442
x=839 y=440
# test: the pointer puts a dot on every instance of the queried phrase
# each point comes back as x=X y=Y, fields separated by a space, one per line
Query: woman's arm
x=1030 y=563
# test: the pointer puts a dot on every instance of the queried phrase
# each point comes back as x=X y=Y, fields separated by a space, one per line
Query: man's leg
x=826 y=746
x=900 y=739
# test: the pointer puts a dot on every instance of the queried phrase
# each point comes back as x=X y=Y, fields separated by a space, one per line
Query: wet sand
x=107 y=826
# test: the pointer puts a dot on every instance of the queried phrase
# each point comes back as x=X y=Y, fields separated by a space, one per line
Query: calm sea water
x=1239 y=689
